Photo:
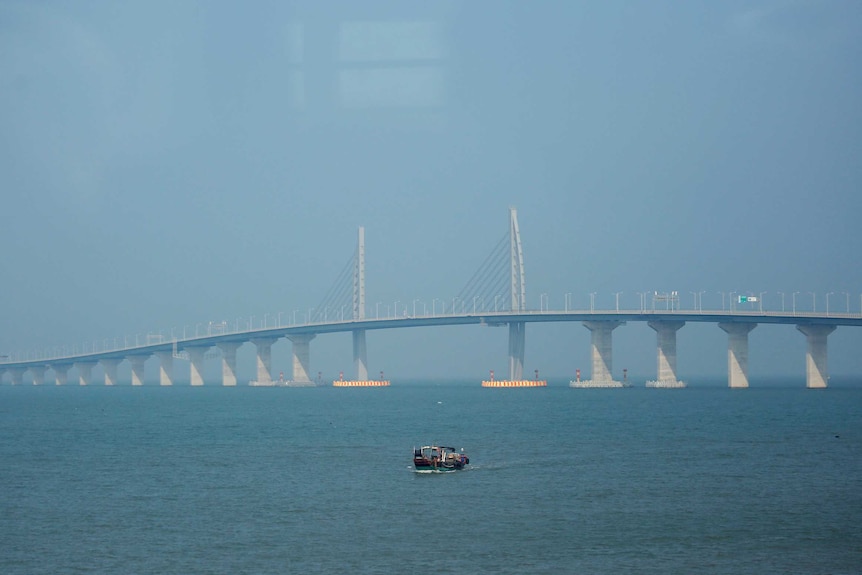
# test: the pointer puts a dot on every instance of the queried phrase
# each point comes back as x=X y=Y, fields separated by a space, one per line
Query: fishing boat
x=438 y=459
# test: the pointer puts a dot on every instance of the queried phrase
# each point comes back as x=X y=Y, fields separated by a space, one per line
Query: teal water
x=279 y=480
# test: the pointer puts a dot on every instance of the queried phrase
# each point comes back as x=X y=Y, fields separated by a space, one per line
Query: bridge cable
x=339 y=294
x=487 y=278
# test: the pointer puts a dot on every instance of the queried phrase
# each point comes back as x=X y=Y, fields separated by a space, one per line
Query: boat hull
x=423 y=465
x=433 y=470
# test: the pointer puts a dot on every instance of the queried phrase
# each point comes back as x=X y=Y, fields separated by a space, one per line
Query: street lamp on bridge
x=568 y=299
x=617 y=294
x=592 y=301
x=827 y=301
x=782 y=301
x=813 y=302
x=794 y=302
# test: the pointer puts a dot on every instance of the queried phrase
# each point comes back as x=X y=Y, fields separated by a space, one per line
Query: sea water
x=318 y=480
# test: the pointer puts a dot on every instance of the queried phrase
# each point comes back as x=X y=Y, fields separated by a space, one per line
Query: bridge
x=495 y=296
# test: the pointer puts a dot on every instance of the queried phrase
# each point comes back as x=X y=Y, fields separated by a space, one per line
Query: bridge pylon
x=517 y=329
x=359 y=277
x=516 y=264
x=360 y=350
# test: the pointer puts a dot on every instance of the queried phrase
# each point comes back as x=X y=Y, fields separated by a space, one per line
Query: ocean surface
x=318 y=480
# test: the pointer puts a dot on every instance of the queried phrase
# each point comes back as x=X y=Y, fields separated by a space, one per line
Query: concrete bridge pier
x=196 y=365
x=38 y=374
x=264 y=358
x=110 y=366
x=228 y=362
x=17 y=375
x=301 y=357
x=737 y=352
x=601 y=349
x=360 y=355
x=666 y=344
x=60 y=373
x=137 y=363
x=816 y=372
x=85 y=371
x=517 y=345
x=166 y=367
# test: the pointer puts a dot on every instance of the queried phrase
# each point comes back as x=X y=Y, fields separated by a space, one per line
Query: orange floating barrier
x=365 y=383
x=517 y=383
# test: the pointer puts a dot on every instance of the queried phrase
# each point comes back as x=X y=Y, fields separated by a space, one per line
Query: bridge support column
x=228 y=362
x=301 y=357
x=196 y=365
x=360 y=355
x=601 y=349
x=166 y=367
x=60 y=373
x=38 y=374
x=264 y=358
x=737 y=352
x=137 y=363
x=110 y=367
x=85 y=371
x=17 y=375
x=517 y=344
x=816 y=372
x=666 y=344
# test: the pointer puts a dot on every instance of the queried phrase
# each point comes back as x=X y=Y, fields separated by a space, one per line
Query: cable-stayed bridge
x=494 y=295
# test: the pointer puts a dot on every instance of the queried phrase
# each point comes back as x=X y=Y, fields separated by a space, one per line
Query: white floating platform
x=591 y=383
x=666 y=384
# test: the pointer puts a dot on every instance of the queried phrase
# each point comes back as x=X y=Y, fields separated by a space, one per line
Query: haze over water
x=164 y=165
x=318 y=480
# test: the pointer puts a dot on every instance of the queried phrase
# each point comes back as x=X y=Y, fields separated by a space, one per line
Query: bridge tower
x=517 y=336
x=360 y=351
x=519 y=293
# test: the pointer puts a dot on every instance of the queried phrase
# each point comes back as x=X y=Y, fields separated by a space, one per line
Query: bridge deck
x=483 y=318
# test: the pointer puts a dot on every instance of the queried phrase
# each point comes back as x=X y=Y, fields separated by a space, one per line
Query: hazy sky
x=164 y=164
